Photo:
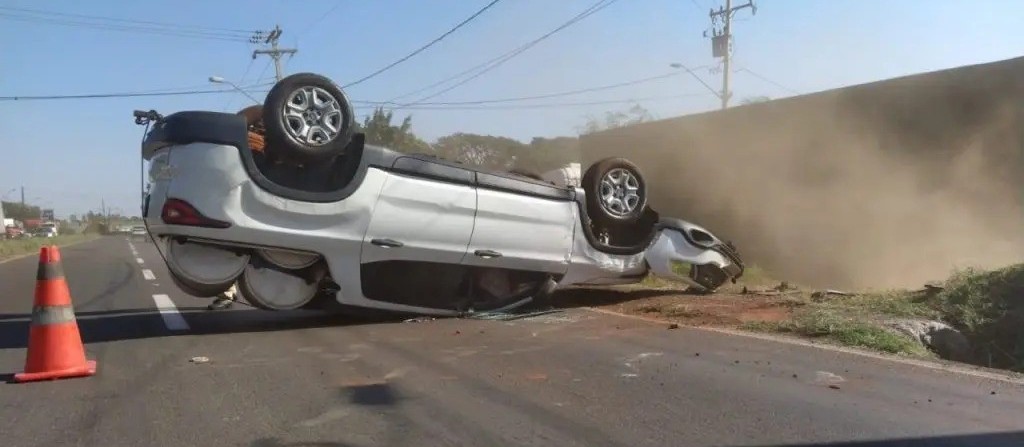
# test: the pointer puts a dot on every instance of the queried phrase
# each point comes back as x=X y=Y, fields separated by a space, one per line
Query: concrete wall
x=882 y=184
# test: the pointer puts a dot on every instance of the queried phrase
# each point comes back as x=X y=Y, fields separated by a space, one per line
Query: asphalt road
x=565 y=379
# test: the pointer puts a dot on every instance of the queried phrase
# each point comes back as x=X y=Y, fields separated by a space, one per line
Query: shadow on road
x=1006 y=439
x=582 y=296
x=131 y=324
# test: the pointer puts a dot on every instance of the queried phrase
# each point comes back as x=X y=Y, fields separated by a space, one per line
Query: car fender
x=670 y=245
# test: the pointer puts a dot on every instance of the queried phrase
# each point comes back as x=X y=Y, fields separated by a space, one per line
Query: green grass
x=17 y=247
x=756 y=276
x=852 y=320
x=894 y=303
x=986 y=306
x=844 y=330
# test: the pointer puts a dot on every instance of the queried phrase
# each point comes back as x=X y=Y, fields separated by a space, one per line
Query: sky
x=78 y=155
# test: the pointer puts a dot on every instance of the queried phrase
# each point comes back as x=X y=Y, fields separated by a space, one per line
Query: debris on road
x=199 y=359
x=509 y=315
x=784 y=288
x=827 y=378
x=418 y=320
x=827 y=292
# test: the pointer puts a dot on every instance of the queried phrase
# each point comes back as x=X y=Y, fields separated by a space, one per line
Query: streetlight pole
x=711 y=89
x=220 y=80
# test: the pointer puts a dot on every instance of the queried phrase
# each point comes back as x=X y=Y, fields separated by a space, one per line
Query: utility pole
x=721 y=41
x=274 y=52
x=23 y=196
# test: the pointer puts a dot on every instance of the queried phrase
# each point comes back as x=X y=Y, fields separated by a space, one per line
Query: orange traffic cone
x=55 y=348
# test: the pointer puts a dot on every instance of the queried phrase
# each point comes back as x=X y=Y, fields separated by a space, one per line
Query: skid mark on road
x=169 y=312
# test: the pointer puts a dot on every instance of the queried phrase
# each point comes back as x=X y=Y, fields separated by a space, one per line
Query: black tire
x=602 y=215
x=199 y=290
x=282 y=144
x=709 y=276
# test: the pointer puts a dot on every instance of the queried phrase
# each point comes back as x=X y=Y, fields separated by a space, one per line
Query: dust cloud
x=889 y=188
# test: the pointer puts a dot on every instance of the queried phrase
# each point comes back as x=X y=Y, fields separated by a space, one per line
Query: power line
x=547 y=105
x=496 y=62
x=248 y=67
x=761 y=77
x=113 y=19
x=698 y=78
x=241 y=80
x=424 y=47
x=123 y=95
x=579 y=17
x=258 y=83
x=264 y=71
x=126 y=28
x=543 y=96
x=318 y=20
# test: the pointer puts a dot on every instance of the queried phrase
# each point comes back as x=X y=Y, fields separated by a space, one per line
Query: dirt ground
x=728 y=308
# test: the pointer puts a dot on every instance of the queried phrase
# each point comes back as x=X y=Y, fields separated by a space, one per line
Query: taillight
x=180 y=212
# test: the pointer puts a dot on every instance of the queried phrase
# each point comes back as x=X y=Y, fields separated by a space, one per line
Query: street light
x=677 y=65
x=220 y=80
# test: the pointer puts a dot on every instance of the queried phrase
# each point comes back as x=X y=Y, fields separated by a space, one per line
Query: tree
x=485 y=151
x=545 y=154
x=18 y=211
x=380 y=131
x=634 y=115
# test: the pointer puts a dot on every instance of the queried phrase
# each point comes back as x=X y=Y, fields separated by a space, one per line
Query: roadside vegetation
x=986 y=307
x=18 y=247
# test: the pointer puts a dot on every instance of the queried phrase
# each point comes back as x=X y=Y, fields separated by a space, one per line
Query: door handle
x=387 y=243
x=487 y=254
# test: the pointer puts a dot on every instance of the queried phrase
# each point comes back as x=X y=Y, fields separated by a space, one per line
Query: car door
x=424 y=213
x=522 y=225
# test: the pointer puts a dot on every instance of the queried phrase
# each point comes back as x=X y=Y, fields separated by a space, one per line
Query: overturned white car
x=316 y=216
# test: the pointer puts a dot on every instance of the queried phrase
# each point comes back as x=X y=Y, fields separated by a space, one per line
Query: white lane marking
x=172 y=319
x=139 y=260
x=148 y=274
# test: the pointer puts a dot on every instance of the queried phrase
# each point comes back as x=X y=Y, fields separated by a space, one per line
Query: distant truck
x=49 y=228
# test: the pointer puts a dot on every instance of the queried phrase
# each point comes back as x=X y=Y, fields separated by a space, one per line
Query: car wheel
x=708 y=276
x=196 y=289
x=269 y=288
x=308 y=119
x=616 y=192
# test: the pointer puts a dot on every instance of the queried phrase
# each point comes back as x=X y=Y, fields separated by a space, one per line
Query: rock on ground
x=937 y=336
